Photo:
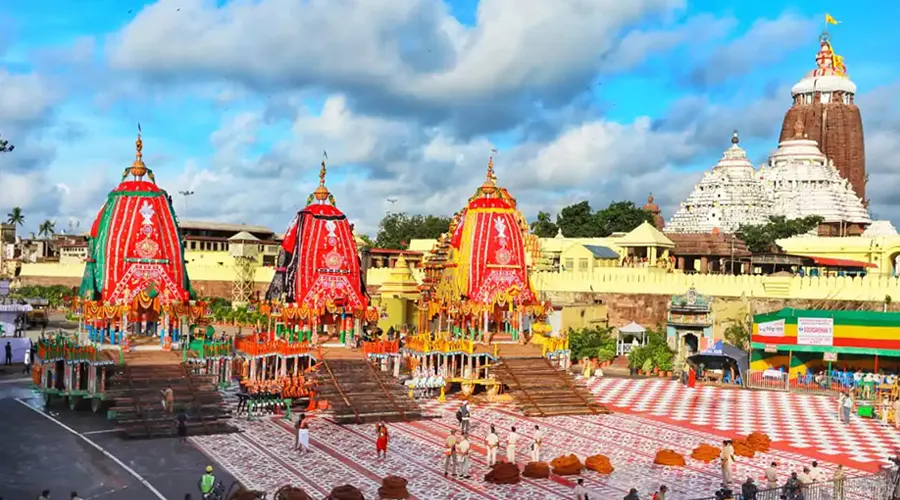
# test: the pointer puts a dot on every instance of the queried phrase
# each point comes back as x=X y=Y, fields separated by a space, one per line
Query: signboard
x=771 y=328
x=771 y=348
x=815 y=331
x=830 y=357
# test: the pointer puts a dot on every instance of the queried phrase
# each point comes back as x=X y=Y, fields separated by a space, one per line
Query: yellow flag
x=830 y=20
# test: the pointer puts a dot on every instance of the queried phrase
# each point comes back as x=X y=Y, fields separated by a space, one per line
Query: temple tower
x=652 y=208
x=823 y=102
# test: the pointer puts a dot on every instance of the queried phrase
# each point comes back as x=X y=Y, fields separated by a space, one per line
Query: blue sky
x=585 y=99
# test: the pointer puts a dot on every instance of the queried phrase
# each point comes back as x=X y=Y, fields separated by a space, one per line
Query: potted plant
x=647 y=366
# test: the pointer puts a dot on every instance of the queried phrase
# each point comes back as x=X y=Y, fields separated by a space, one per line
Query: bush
x=56 y=295
x=655 y=354
x=593 y=342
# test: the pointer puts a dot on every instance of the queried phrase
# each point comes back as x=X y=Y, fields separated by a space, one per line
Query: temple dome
x=488 y=251
x=828 y=83
x=135 y=249
x=801 y=182
x=830 y=74
x=318 y=266
x=726 y=197
x=880 y=228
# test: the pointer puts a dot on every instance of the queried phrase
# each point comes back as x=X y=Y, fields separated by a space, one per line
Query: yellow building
x=397 y=297
x=883 y=251
x=583 y=257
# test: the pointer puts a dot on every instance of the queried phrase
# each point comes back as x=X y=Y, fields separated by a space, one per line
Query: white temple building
x=801 y=182
x=726 y=197
x=798 y=181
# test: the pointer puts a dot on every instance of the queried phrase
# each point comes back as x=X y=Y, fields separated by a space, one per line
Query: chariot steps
x=136 y=392
x=358 y=393
x=540 y=389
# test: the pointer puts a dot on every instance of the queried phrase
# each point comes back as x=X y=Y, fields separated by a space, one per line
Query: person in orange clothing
x=381 y=442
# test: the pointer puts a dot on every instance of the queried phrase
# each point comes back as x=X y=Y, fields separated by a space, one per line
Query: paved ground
x=261 y=457
x=802 y=423
x=47 y=456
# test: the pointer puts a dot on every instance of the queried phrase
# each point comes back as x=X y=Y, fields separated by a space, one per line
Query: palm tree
x=47 y=229
x=16 y=216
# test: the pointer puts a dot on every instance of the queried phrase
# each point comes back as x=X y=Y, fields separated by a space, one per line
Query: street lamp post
x=185 y=194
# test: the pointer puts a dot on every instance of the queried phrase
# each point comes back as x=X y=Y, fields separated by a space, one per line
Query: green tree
x=47 y=229
x=16 y=216
x=592 y=342
x=578 y=221
x=621 y=217
x=397 y=229
x=760 y=238
x=5 y=146
x=737 y=335
x=544 y=227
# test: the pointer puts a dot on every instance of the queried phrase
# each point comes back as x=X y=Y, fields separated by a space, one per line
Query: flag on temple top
x=830 y=20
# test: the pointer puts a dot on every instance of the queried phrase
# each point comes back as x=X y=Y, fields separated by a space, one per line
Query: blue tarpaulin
x=722 y=350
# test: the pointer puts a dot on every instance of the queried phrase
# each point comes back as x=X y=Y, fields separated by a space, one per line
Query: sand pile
x=759 y=442
x=503 y=473
x=669 y=458
x=743 y=448
x=289 y=493
x=566 y=465
x=345 y=492
x=394 y=488
x=598 y=463
x=536 y=470
x=706 y=453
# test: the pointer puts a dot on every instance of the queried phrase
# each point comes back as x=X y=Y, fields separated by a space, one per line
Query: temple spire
x=321 y=193
x=490 y=182
x=138 y=169
x=735 y=139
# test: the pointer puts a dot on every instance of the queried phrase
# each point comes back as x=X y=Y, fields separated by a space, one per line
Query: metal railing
x=879 y=486
x=826 y=385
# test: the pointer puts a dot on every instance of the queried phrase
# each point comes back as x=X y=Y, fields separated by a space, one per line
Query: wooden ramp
x=136 y=392
x=359 y=394
x=540 y=389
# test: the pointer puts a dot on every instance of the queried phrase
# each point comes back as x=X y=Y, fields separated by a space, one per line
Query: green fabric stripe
x=822 y=349
x=102 y=243
x=843 y=318
x=139 y=194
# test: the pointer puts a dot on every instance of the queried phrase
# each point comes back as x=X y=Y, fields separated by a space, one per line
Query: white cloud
x=403 y=57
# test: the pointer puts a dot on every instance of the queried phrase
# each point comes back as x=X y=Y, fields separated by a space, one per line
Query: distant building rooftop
x=223 y=226
x=601 y=252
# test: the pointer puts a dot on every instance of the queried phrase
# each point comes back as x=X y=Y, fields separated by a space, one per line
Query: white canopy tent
x=638 y=336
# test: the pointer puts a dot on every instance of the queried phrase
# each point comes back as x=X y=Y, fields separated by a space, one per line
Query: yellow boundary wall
x=599 y=280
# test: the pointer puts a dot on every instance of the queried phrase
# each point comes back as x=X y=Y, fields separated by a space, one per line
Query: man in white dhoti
x=462 y=449
x=772 y=476
x=537 y=439
x=727 y=457
x=511 y=440
x=493 y=442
